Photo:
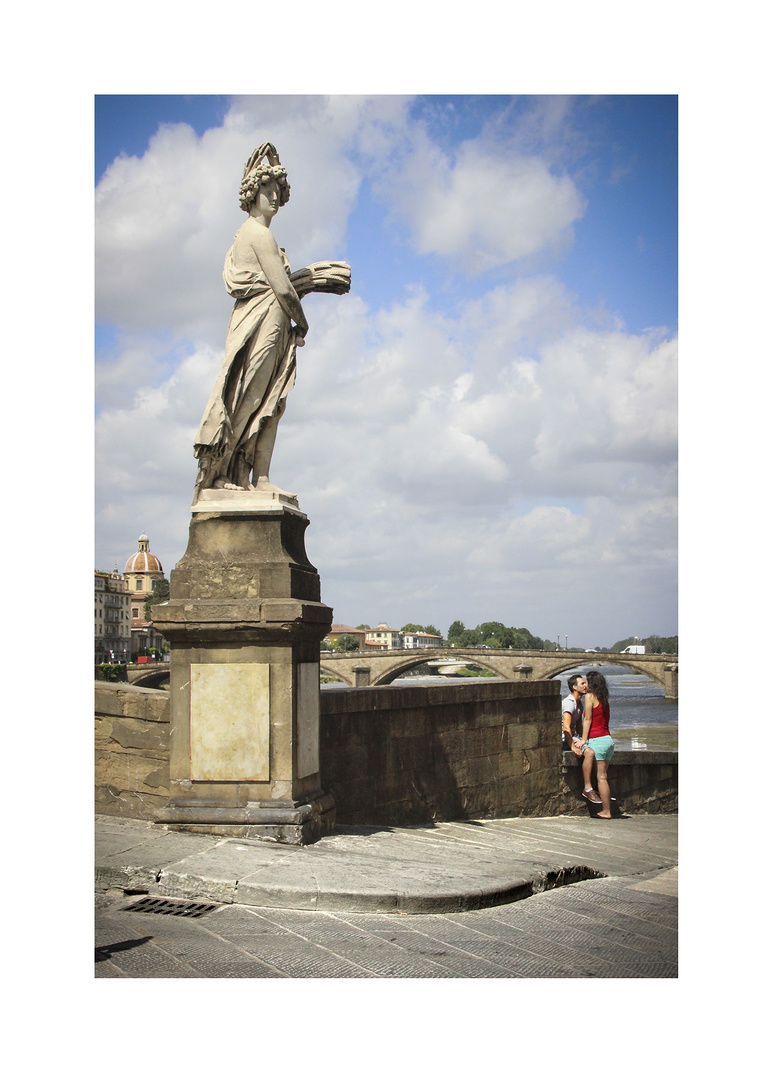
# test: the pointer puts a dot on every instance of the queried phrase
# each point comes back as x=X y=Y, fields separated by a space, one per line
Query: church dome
x=143 y=562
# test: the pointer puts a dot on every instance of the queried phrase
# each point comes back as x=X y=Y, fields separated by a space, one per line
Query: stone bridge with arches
x=150 y=675
x=379 y=668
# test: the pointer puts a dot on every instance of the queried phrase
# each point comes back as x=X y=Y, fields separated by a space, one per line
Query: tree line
x=652 y=644
x=494 y=635
x=497 y=636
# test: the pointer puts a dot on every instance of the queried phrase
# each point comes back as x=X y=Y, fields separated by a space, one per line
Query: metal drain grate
x=156 y=905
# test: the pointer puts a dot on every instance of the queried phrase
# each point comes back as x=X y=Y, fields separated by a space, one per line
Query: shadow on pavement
x=105 y=952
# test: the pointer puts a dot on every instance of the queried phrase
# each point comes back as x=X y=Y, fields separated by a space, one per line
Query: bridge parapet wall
x=131 y=750
x=402 y=755
x=397 y=755
x=643 y=781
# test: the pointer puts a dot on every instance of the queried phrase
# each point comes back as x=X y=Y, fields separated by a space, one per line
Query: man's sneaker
x=591 y=796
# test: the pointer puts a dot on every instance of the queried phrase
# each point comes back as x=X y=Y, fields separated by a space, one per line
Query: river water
x=640 y=716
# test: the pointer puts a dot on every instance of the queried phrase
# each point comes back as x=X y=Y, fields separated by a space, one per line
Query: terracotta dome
x=143 y=562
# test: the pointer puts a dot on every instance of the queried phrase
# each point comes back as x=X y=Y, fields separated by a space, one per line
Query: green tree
x=497 y=632
x=347 y=643
x=161 y=591
x=657 y=644
x=653 y=643
x=412 y=628
x=432 y=630
x=524 y=639
x=496 y=636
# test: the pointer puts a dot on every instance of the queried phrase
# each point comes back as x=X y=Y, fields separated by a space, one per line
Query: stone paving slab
x=131 y=855
x=447 y=867
x=603 y=928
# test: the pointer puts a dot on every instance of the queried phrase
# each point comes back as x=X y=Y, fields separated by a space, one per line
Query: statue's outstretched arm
x=326 y=277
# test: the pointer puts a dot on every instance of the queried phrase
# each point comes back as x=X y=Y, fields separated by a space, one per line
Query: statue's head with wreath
x=262 y=165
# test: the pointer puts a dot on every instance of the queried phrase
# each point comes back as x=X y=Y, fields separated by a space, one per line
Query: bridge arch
x=406 y=665
x=635 y=667
x=149 y=675
x=153 y=680
x=333 y=671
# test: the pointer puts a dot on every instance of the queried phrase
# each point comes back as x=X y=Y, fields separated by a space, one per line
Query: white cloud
x=409 y=469
x=484 y=208
x=617 y=404
x=494 y=462
x=165 y=221
x=144 y=470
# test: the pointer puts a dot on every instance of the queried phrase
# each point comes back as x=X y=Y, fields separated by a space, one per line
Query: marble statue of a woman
x=238 y=430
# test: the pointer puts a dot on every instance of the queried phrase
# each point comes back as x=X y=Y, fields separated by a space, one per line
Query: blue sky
x=626 y=250
x=485 y=428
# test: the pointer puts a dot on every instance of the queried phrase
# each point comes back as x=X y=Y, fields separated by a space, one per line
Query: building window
x=139 y=584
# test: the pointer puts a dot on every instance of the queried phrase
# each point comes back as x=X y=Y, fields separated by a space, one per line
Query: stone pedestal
x=245 y=624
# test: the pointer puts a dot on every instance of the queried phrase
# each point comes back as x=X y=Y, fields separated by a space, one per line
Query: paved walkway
x=485 y=896
x=453 y=866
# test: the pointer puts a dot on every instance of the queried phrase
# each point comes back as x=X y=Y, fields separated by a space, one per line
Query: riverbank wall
x=399 y=755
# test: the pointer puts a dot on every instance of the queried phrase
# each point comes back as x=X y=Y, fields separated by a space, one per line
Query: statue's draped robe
x=257 y=374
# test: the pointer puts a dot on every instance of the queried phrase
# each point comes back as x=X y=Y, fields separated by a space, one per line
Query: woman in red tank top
x=600 y=718
x=595 y=731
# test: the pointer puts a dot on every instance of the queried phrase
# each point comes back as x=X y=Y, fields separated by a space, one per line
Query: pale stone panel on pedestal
x=230 y=720
x=308 y=719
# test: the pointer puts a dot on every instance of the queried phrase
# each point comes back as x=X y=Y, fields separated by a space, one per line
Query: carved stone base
x=265 y=497
x=282 y=824
x=245 y=624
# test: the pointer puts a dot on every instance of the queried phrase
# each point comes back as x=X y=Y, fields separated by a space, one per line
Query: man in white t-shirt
x=572 y=732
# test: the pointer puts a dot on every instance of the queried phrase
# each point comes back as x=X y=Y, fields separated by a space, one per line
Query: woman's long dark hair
x=597 y=684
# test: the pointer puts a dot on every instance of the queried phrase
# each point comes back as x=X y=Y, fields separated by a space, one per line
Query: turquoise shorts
x=603 y=747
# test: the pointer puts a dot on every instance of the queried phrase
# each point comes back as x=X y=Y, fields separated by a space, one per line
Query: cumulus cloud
x=617 y=404
x=484 y=206
x=487 y=462
x=165 y=221
x=490 y=211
